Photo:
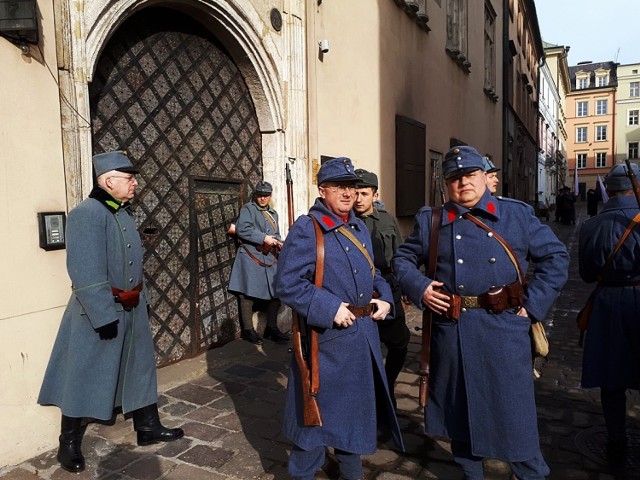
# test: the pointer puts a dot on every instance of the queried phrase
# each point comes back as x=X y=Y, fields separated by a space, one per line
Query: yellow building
x=628 y=113
x=591 y=122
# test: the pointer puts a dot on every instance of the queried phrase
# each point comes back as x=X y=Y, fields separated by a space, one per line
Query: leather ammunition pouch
x=127 y=298
x=495 y=300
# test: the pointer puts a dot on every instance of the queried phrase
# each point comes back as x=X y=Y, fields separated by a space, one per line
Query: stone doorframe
x=273 y=65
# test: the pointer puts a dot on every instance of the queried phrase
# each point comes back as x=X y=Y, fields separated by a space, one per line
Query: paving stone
x=194 y=394
x=244 y=371
x=230 y=387
x=203 y=432
x=204 y=456
x=175 y=448
x=179 y=409
x=20 y=474
x=148 y=468
x=189 y=472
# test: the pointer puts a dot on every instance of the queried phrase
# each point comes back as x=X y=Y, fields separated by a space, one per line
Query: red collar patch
x=491 y=207
x=328 y=221
x=451 y=215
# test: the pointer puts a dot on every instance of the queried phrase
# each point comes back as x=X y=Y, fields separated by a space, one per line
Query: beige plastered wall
x=34 y=286
x=381 y=64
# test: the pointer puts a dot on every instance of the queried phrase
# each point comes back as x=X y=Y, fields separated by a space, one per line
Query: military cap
x=118 y=160
x=489 y=166
x=617 y=179
x=461 y=160
x=263 y=187
x=337 y=170
x=366 y=179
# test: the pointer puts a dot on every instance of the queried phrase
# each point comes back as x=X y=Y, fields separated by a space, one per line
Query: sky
x=596 y=30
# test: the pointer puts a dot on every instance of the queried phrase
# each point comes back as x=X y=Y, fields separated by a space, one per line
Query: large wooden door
x=167 y=91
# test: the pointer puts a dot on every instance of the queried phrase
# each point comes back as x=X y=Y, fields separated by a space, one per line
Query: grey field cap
x=617 y=180
x=263 y=187
x=366 y=178
x=461 y=160
x=108 y=161
x=337 y=170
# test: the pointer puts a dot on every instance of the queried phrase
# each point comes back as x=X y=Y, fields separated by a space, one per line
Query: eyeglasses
x=341 y=189
x=129 y=178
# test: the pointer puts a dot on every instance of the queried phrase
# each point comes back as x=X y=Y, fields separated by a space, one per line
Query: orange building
x=591 y=122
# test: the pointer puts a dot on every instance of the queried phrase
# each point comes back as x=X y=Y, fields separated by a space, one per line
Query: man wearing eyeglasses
x=344 y=313
x=103 y=357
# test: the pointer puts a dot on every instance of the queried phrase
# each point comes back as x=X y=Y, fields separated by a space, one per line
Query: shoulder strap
x=503 y=242
x=314 y=348
x=319 y=253
x=347 y=233
x=270 y=219
x=624 y=236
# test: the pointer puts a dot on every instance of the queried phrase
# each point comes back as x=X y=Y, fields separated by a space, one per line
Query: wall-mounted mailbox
x=52 y=228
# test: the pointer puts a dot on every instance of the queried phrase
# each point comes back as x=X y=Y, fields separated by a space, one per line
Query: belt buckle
x=469 y=302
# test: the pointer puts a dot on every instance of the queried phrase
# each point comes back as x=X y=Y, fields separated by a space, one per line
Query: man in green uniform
x=385 y=238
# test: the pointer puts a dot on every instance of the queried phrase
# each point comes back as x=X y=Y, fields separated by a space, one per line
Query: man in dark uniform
x=492 y=174
x=254 y=267
x=103 y=357
x=612 y=348
x=481 y=391
x=385 y=238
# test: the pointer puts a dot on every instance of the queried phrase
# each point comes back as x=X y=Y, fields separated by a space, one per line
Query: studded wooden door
x=166 y=91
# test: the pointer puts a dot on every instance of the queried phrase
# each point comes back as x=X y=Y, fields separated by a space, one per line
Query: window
x=582 y=109
x=489 y=50
x=582 y=83
x=456 y=45
x=603 y=81
x=601 y=159
x=633 y=149
x=411 y=140
x=601 y=107
x=634 y=89
x=633 y=117
x=581 y=160
x=601 y=133
x=581 y=134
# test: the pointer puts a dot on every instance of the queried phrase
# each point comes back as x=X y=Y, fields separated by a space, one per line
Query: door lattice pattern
x=169 y=94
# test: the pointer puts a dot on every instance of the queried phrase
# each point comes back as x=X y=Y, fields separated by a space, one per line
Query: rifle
x=634 y=181
x=309 y=367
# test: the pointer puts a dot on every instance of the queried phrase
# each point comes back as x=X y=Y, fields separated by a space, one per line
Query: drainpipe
x=506 y=65
x=541 y=62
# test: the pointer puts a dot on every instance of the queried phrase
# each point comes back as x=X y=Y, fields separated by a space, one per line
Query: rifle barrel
x=634 y=181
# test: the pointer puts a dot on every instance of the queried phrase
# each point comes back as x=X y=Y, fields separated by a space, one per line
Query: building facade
x=206 y=97
x=522 y=57
x=627 y=120
x=591 y=122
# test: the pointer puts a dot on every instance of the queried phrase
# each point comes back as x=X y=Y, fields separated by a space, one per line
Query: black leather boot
x=146 y=421
x=69 y=454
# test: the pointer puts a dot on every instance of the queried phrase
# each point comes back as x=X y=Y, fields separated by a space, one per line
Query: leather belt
x=495 y=300
x=361 y=311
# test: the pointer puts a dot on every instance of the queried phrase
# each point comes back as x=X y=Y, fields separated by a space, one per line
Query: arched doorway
x=168 y=92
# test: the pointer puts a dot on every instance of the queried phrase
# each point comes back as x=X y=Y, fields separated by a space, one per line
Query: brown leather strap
x=271 y=220
x=503 y=242
x=314 y=358
x=624 y=236
x=347 y=233
x=425 y=355
x=361 y=311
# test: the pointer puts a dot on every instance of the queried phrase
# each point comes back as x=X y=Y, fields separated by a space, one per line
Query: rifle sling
x=314 y=358
x=436 y=216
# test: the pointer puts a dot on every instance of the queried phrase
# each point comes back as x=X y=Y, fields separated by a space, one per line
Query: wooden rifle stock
x=634 y=181
x=309 y=367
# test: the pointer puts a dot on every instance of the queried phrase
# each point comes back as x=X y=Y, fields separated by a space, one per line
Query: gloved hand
x=108 y=331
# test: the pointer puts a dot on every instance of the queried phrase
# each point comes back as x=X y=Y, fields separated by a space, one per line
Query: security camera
x=324 y=46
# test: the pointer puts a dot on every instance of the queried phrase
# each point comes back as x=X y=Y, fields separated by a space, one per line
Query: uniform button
x=361 y=295
x=131 y=280
x=124 y=229
x=346 y=248
x=128 y=245
x=130 y=262
x=460 y=261
x=490 y=234
x=492 y=260
x=460 y=287
x=355 y=270
x=458 y=237
x=364 y=245
x=463 y=310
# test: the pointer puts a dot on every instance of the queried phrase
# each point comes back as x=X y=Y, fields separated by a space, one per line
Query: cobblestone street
x=230 y=401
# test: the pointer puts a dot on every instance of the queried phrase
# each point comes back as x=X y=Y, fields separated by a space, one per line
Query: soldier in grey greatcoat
x=481 y=391
x=103 y=356
x=612 y=348
x=385 y=238
x=350 y=361
x=255 y=265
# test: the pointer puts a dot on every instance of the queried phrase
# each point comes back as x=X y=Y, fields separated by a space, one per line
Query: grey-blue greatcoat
x=612 y=347
x=481 y=383
x=247 y=276
x=87 y=376
x=350 y=358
